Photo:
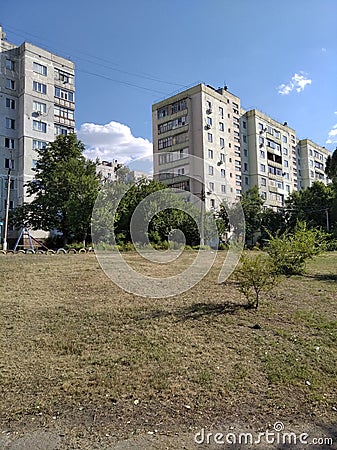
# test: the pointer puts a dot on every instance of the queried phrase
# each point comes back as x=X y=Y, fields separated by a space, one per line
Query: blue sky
x=130 y=54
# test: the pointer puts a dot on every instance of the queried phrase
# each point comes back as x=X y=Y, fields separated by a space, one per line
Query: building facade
x=235 y=149
x=196 y=143
x=312 y=162
x=37 y=103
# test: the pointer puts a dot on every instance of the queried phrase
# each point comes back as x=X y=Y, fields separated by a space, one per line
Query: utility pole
x=202 y=214
x=7 y=210
x=327 y=220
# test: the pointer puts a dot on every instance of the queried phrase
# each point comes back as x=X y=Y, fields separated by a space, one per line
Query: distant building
x=108 y=170
x=312 y=162
x=136 y=175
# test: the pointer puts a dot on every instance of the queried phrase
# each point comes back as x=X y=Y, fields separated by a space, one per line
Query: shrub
x=289 y=252
x=255 y=274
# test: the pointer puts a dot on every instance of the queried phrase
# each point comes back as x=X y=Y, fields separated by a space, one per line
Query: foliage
x=63 y=191
x=156 y=218
x=255 y=274
x=290 y=251
x=331 y=167
x=251 y=204
x=311 y=205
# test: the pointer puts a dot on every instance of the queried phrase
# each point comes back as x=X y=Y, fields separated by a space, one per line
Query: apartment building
x=196 y=143
x=235 y=149
x=311 y=163
x=37 y=103
x=269 y=158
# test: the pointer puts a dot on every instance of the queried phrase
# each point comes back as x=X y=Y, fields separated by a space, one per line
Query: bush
x=289 y=252
x=255 y=274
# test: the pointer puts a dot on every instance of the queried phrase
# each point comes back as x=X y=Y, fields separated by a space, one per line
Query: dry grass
x=78 y=351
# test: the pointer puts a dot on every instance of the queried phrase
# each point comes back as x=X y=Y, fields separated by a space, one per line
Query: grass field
x=81 y=356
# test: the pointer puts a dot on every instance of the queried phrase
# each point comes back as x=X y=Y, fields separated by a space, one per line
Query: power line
x=150 y=77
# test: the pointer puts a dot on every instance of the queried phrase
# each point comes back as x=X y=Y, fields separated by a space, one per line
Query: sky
x=279 y=57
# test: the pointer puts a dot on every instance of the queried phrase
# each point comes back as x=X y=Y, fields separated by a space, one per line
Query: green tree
x=63 y=190
x=331 y=167
x=255 y=274
x=290 y=251
x=251 y=204
x=313 y=205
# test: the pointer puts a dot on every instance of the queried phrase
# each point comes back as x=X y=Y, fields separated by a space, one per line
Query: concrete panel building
x=37 y=102
x=205 y=123
x=269 y=158
x=312 y=161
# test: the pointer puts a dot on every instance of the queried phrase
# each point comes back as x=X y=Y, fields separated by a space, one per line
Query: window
x=210 y=170
x=286 y=176
x=287 y=188
x=262 y=154
x=263 y=195
x=39 y=126
x=181 y=171
x=222 y=142
x=34 y=161
x=209 y=137
x=39 y=68
x=222 y=157
x=212 y=203
x=210 y=154
x=39 y=145
x=284 y=138
x=9 y=163
x=39 y=107
x=285 y=151
x=312 y=174
x=244 y=124
x=262 y=167
x=260 y=126
x=211 y=186
x=238 y=177
x=220 y=111
x=10 y=103
x=10 y=123
x=10 y=84
x=62 y=130
x=64 y=112
x=286 y=163
x=244 y=137
x=238 y=183
x=39 y=87
x=9 y=143
x=64 y=94
x=263 y=182
x=9 y=64
x=245 y=152
x=209 y=121
x=64 y=77
x=221 y=126
x=209 y=105
x=245 y=167
x=223 y=188
x=277 y=134
x=246 y=180
x=223 y=173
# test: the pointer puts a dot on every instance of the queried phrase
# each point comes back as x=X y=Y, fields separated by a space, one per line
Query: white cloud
x=113 y=141
x=298 y=82
x=332 y=135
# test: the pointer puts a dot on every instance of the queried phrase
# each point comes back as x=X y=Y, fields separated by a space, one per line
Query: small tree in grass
x=290 y=251
x=255 y=274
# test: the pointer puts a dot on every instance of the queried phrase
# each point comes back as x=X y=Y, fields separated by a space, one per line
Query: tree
x=63 y=190
x=251 y=204
x=255 y=274
x=290 y=251
x=311 y=205
x=331 y=167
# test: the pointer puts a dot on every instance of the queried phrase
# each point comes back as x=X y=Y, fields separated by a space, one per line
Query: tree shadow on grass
x=323 y=276
x=196 y=311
